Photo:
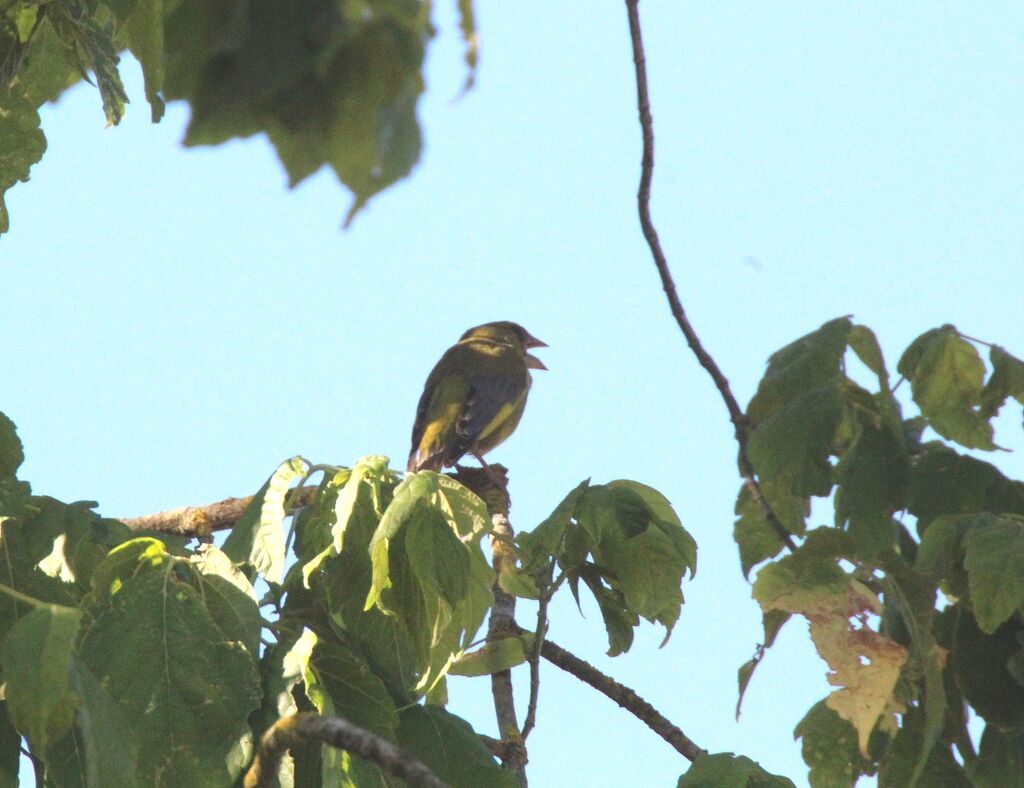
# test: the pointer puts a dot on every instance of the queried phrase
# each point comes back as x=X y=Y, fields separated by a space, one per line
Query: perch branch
x=736 y=415
x=293 y=730
x=199 y=521
x=624 y=696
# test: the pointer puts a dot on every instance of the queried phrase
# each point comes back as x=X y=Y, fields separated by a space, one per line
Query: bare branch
x=736 y=415
x=624 y=696
x=295 y=729
x=199 y=521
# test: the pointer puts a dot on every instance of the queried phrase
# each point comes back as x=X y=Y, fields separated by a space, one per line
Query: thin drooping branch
x=198 y=521
x=736 y=415
x=624 y=696
x=293 y=730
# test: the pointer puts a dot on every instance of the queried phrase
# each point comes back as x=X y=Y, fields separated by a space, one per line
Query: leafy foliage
x=627 y=546
x=913 y=596
x=907 y=662
x=330 y=83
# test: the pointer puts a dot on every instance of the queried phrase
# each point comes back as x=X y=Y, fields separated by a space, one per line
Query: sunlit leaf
x=946 y=375
x=37 y=657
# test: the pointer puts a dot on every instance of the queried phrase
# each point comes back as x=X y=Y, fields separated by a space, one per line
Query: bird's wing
x=436 y=415
x=492 y=400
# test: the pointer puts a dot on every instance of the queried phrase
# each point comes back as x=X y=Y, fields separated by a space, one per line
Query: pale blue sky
x=177 y=322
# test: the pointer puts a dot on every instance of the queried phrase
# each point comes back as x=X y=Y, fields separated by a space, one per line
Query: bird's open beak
x=532 y=362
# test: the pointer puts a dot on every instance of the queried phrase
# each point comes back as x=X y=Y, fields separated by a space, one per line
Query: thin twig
x=736 y=415
x=624 y=696
x=538 y=643
x=295 y=729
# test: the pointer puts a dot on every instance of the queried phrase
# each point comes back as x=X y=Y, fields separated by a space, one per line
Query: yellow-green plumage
x=475 y=395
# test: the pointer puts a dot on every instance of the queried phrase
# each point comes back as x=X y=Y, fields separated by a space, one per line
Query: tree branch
x=624 y=696
x=295 y=729
x=485 y=483
x=199 y=521
x=736 y=415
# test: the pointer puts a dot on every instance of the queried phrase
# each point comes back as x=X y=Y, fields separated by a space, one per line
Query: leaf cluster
x=914 y=594
x=330 y=83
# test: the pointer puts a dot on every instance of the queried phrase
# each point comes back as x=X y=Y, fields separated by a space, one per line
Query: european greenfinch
x=474 y=396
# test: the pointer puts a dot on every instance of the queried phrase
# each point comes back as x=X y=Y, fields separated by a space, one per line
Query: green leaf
x=518 y=583
x=1007 y=380
x=268 y=549
x=809 y=363
x=872 y=480
x=383 y=639
x=333 y=84
x=659 y=512
x=725 y=770
x=437 y=556
x=21 y=145
x=229 y=598
x=795 y=441
x=184 y=690
x=829 y=748
x=754 y=536
x=536 y=547
x=11 y=453
x=944 y=482
x=451 y=748
x=125 y=561
x=946 y=376
x=355 y=692
x=10 y=749
x=239 y=542
x=410 y=496
x=101 y=749
x=95 y=50
x=994 y=560
x=1000 y=762
x=37 y=658
x=494 y=657
x=900 y=762
x=980 y=661
x=145 y=34
x=647 y=569
x=743 y=677
x=864 y=343
x=464 y=508
x=337 y=767
x=619 y=621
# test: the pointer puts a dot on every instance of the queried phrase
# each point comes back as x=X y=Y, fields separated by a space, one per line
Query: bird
x=475 y=395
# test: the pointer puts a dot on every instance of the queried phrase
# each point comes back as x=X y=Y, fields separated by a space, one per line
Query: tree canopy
x=329 y=619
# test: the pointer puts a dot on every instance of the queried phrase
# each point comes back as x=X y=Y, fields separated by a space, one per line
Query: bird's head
x=508 y=333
